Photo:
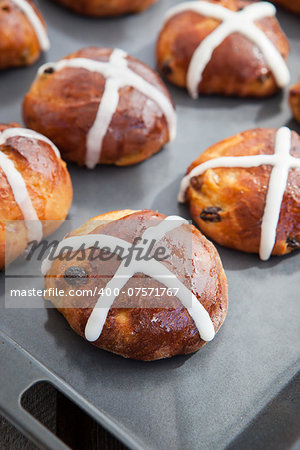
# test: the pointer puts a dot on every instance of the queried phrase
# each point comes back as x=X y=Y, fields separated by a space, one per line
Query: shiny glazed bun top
x=23 y=33
x=101 y=105
x=35 y=189
x=102 y=8
x=229 y=47
x=150 y=307
x=244 y=192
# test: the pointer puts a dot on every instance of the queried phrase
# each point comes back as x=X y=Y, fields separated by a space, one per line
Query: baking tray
x=201 y=401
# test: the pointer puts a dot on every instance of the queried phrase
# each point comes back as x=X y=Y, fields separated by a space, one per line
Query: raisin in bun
x=100 y=8
x=101 y=105
x=23 y=33
x=229 y=47
x=244 y=192
x=35 y=190
x=146 y=318
x=292 y=5
x=295 y=100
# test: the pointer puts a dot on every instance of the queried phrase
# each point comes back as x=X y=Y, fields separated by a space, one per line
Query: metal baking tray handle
x=18 y=373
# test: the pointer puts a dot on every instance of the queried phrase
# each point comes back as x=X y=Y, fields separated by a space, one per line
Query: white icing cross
x=151 y=268
x=232 y=22
x=118 y=75
x=17 y=183
x=36 y=23
x=282 y=161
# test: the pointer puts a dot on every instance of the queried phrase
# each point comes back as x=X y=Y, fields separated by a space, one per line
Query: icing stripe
x=17 y=183
x=22 y=198
x=29 y=134
x=157 y=232
x=118 y=75
x=277 y=185
x=107 y=108
x=232 y=22
x=282 y=161
x=35 y=21
x=151 y=268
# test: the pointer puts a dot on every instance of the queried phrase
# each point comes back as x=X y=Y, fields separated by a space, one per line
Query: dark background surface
x=205 y=400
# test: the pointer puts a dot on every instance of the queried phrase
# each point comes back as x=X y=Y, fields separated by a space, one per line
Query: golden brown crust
x=238 y=195
x=63 y=106
x=19 y=45
x=237 y=67
x=295 y=100
x=48 y=184
x=102 y=8
x=145 y=333
x=292 y=5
